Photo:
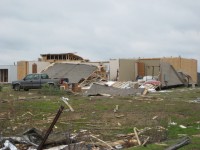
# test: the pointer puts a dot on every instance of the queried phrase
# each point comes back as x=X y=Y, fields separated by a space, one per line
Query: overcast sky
x=99 y=29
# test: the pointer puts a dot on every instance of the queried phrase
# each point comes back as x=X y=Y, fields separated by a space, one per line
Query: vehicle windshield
x=29 y=77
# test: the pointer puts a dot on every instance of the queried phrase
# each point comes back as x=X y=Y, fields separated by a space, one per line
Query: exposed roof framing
x=61 y=56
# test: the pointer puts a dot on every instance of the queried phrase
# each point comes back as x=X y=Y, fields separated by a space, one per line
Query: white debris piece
x=173 y=123
x=65 y=98
x=155 y=117
x=8 y=145
x=118 y=146
x=182 y=126
x=110 y=83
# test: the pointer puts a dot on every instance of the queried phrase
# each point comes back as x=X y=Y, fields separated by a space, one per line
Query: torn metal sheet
x=74 y=72
x=103 y=89
x=32 y=136
x=184 y=141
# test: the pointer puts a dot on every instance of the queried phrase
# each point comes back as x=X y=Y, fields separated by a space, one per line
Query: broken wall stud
x=50 y=128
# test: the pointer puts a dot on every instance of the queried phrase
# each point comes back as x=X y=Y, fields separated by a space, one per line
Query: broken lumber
x=137 y=137
x=145 y=92
x=147 y=139
x=124 y=143
x=70 y=107
x=110 y=147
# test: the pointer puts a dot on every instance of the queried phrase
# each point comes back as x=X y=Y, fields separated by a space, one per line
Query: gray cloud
x=99 y=30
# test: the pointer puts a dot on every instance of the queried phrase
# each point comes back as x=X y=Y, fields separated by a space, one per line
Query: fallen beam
x=137 y=137
x=40 y=147
x=184 y=141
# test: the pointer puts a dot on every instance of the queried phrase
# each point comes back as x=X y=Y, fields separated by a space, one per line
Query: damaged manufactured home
x=27 y=67
x=169 y=71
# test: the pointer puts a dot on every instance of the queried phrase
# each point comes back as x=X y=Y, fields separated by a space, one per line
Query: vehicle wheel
x=17 y=87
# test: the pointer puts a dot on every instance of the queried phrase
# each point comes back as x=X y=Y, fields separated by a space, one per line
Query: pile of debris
x=34 y=139
x=94 y=80
x=114 y=89
x=84 y=140
x=151 y=86
x=117 y=88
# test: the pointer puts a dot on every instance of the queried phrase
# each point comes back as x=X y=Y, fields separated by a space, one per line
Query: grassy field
x=22 y=110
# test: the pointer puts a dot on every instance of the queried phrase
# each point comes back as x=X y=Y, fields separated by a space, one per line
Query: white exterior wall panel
x=40 y=66
x=12 y=72
x=114 y=68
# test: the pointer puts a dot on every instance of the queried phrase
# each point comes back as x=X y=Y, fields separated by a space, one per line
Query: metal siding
x=169 y=76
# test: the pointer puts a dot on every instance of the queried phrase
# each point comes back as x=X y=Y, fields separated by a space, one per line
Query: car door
x=36 y=81
x=44 y=79
x=27 y=81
